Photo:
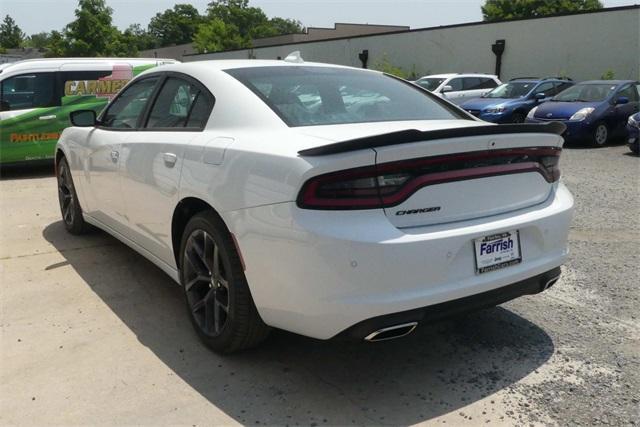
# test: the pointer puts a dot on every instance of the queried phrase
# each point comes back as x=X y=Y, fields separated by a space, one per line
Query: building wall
x=582 y=46
x=170 y=52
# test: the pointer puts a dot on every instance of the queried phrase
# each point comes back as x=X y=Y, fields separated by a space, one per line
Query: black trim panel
x=434 y=313
x=414 y=135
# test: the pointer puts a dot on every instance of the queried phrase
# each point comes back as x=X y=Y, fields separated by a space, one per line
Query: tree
x=92 y=33
x=38 y=40
x=57 y=45
x=11 y=36
x=175 y=26
x=498 y=10
x=232 y=24
x=215 y=35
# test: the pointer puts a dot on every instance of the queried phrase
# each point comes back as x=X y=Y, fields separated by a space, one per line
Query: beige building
x=312 y=33
x=582 y=46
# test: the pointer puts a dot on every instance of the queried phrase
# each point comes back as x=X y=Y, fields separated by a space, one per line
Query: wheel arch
x=182 y=213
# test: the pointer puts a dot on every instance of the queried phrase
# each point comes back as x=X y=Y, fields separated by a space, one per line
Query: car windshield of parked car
x=306 y=96
x=430 y=84
x=585 y=93
x=511 y=90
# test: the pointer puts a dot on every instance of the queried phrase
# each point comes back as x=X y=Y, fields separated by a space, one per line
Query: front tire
x=217 y=295
x=600 y=135
x=518 y=118
x=68 y=199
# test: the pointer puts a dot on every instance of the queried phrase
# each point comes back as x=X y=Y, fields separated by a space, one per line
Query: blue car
x=633 y=130
x=594 y=111
x=511 y=102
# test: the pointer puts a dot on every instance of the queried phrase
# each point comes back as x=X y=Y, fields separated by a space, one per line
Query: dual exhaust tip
x=391 y=332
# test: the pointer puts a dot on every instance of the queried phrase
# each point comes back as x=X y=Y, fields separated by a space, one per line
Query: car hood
x=562 y=110
x=482 y=103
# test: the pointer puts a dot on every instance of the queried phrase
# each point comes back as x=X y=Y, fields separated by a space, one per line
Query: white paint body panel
x=311 y=272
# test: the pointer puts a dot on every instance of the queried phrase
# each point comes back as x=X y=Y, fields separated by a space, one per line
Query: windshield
x=511 y=90
x=305 y=96
x=585 y=93
x=429 y=84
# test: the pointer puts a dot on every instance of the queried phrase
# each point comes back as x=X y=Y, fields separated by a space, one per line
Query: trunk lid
x=470 y=177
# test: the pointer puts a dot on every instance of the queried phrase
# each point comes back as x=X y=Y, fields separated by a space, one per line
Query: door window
x=546 y=88
x=487 y=83
x=29 y=91
x=176 y=104
x=126 y=109
x=456 y=84
x=472 y=83
x=559 y=87
x=629 y=92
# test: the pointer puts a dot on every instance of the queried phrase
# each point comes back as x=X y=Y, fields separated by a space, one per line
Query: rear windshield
x=306 y=96
x=585 y=93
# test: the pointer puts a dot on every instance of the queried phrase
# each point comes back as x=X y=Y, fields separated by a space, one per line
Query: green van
x=36 y=97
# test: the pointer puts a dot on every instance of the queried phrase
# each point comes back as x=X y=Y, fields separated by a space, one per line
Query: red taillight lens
x=390 y=184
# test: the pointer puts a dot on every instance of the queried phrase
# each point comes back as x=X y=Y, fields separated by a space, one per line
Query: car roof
x=230 y=64
x=54 y=63
x=607 y=82
x=449 y=75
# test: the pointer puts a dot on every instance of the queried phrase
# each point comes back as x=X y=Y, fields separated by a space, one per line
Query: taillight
x=389 y=184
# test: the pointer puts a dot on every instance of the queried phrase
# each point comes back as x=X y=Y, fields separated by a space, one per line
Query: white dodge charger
x=323 y=200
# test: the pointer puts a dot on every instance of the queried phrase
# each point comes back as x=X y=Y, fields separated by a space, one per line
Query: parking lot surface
x=91 y=332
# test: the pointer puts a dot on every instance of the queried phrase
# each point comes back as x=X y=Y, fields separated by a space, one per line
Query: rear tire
x=68 y=199
x=600 y=135
x=217 y=295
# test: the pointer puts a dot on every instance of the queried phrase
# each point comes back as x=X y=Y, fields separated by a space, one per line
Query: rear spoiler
x=414 y=135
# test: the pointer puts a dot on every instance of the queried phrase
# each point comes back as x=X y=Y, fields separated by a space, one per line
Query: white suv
x=458 y=88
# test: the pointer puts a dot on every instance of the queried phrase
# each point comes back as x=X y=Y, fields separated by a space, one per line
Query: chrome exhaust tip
x=391 y=332
x=550 y=283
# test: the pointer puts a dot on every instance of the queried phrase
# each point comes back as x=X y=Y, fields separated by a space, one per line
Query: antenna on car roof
x=295 y=57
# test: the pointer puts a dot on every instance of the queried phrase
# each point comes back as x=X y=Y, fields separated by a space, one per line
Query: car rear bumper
x=633 y=139
x=319 y=273
x=436 y=312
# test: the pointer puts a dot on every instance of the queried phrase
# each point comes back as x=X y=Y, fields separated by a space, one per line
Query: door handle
x=49 y=117
x=170 y=159
x=115 y=156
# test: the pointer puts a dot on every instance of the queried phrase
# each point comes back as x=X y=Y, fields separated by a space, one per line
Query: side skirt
x=172 y=272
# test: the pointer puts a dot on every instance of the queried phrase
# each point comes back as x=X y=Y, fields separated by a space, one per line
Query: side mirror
x=446 y=89
x=540 y=96
x=83 y=118
x=622 y=100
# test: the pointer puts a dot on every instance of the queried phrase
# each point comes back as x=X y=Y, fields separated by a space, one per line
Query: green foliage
x=11 y=36
x=386 y=66
x=92 y=33
x=608 y=75
x=232 y=24
x=175 y=26
x=38 y=40
x=498 y=10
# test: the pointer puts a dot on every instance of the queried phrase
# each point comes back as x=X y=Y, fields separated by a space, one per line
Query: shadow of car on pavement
x=291 y=379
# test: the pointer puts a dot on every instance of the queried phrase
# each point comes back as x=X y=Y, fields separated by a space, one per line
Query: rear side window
x=173 y=105
x=306 y=96
x=487 y=83
x=126 y=109
x=200 y=111
x=26 y=91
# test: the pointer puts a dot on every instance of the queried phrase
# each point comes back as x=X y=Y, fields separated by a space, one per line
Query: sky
x=35 y=16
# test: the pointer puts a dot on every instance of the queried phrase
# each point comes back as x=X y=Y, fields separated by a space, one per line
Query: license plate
x=497 y=251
